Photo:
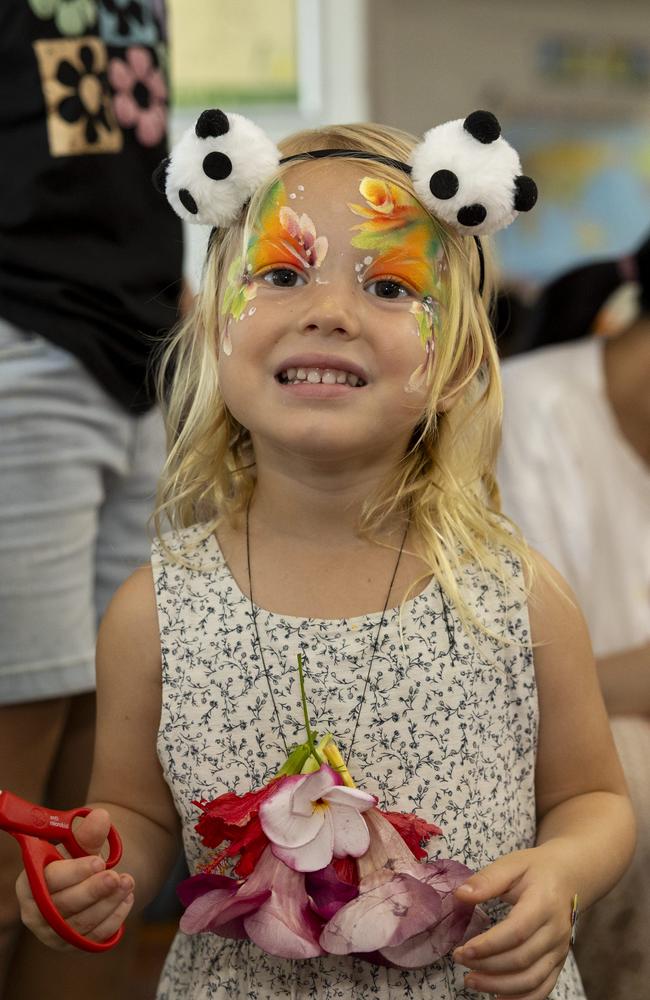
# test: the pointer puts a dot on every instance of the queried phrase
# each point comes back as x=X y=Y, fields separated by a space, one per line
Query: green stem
x=303 y=698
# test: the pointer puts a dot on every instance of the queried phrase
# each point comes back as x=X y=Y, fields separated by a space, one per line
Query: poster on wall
x=594 y=196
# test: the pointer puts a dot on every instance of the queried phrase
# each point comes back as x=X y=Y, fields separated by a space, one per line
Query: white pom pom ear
x=215 y=168
x=466 y=174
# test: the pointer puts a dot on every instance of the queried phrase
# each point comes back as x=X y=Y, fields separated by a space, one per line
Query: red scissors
x=37 y=830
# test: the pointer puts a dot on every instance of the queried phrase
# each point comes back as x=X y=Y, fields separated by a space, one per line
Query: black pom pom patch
x=443 y=184
x=471 y=215
x=217 y=166
x=483 y=125
x=187 y=201
x=525 y=193
x=159 y=176
x=211 y=124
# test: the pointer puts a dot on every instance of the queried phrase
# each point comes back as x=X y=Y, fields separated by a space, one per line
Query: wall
x=431 y=60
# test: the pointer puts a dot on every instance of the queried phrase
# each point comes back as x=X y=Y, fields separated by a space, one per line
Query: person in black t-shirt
x=90 y=276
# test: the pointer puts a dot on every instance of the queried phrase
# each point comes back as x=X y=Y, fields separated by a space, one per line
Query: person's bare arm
x=585 y=834
x=625 y=681
x=127 y=787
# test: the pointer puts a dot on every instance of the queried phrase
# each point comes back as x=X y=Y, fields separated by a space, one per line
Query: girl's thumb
x=91 y=831
x=492 y=881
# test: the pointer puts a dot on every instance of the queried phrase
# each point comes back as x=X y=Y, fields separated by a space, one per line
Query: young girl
x=334 y=417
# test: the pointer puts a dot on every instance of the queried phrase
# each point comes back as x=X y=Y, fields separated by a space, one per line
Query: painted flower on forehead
x=404 y=240
x=282 y=237
x=302 y=230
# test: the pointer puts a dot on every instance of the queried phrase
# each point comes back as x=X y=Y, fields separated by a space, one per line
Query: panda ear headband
x=463 y=171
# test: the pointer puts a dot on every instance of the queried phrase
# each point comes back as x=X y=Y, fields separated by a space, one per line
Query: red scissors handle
x=37 y=830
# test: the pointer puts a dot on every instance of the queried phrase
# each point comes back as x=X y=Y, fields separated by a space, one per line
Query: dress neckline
x=370 y=618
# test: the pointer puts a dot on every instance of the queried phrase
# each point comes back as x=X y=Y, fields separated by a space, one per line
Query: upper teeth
x=329 y=376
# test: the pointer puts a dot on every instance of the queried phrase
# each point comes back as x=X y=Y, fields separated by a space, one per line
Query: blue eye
x=283 y=277
x=386 y=288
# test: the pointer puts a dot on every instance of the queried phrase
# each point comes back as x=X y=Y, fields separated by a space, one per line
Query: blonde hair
x=445 y=483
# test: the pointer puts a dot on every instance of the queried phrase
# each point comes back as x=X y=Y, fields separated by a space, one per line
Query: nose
x=330 y=310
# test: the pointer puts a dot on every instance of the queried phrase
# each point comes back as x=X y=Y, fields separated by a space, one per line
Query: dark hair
x=567 y=308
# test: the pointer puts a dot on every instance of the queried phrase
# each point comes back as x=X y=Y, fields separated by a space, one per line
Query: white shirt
x=577 y=489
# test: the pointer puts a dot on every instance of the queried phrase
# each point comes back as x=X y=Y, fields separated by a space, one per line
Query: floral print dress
x=447 y=729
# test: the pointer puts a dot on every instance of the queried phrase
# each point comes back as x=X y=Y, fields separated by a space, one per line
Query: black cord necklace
x=261 y=651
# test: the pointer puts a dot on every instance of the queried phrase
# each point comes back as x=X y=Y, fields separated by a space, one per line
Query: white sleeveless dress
x=448 y=729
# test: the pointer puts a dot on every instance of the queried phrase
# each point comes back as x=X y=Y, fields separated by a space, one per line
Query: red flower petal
x=414 y=831
x=224 y=815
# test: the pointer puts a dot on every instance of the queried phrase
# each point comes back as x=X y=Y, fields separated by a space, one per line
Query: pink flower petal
x=285 y=827
x=351 y=836
x=289 y=221
x=140 y=61
x=126 y=110
x=120 y=75
x=396 y=908
x=313 y=787
x=157 y=86
x=151 y=126
x=318 y=251
x=387 y=850
x=237 y=907
x=352 y=798
x=308 y=229
x=285 y=924
x=313 y=856
x=198 y=885
x=200 y=912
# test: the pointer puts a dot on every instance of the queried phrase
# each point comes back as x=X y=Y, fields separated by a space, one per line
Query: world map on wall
x=594 y=197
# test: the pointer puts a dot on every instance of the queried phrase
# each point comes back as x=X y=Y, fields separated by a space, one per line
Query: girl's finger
x=91 y=831
x=79 y=898
x=495 y=880
x=90 y=922
x=541 y=993
x=522 y=923
x=516 y=984
x=63 y=874
x=517 y=959
x=113 y=922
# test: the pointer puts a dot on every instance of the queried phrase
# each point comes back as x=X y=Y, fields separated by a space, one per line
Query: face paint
x=407 y=249
x=239 y=292
x=282 y=237
x=427 y=315
x=279 y=236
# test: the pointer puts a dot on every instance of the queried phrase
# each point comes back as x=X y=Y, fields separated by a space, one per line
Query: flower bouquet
x=318 y=869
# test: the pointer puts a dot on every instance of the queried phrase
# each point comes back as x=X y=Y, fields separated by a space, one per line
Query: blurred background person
x=574 y=473
x=83 y=303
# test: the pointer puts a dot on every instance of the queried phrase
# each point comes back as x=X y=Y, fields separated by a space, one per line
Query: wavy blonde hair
x=445 y=483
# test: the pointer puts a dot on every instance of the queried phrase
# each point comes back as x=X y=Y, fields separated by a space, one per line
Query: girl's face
x=328 y=320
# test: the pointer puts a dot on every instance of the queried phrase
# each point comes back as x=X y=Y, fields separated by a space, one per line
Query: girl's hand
x=95 y=902
x=522 y=956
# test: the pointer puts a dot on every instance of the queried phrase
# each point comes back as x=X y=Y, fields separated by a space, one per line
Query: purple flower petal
x=197 y=885
x=395 y=907
x=328 y=892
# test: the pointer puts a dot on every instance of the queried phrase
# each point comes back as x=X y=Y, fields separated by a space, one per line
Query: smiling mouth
x=319 y=376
